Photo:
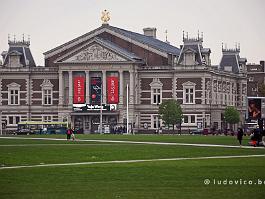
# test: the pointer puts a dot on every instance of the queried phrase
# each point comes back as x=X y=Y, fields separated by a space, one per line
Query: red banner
x=79 y=90
x=113 y=90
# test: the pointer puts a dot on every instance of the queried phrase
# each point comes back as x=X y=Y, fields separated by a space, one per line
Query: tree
x=231 y=115
x=170 y=112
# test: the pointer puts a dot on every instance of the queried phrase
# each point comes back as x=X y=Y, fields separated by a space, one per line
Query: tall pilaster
x=131 y=101
x=70 y=87
x=174 y=86
x=121 y=87
x=203 y=90
x=87 y=88
x=104 y=93
x=60 y=87
x=0 y=92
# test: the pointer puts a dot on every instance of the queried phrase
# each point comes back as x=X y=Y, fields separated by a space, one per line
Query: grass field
x=95 y=177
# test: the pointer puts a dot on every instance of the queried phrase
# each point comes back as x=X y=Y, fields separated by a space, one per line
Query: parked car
x=23 y=132
x=197 y=132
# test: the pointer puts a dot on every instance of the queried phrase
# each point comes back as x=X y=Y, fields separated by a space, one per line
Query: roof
x=23 y=51
x=230 y=60
x=147 y=40
x=106 y=43
x=116 y=48
x=196 y=48
x=150 y=41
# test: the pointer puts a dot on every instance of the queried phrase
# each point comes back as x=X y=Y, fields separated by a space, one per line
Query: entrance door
x=78 y=124
x=94 y=124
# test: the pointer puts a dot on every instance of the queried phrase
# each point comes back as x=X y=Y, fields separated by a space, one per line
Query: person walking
x=263 y=138
x=68 y=134
x=73 y=134
x=240 y=134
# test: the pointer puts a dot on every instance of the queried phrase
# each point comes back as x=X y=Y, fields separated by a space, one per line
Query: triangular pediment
x=97 y=50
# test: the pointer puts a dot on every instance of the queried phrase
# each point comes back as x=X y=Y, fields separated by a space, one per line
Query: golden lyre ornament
x=105 y=17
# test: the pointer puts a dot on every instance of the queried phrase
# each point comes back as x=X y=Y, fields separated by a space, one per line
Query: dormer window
x=189 y=58
x=14 y=59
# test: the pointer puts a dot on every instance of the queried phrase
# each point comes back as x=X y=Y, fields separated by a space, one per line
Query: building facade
x=256 y=78
x=109 y=67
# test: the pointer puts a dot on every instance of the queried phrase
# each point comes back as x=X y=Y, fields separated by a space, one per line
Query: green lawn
x=198 y=139
x=160 y=179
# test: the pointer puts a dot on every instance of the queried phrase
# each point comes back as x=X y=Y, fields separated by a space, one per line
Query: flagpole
x=127 y=125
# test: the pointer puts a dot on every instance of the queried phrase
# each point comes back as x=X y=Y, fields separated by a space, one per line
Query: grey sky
x=53 y=22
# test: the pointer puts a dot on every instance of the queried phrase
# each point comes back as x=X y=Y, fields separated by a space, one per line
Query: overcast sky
x=53 y=22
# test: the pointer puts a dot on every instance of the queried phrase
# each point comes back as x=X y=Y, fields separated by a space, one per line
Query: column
x=0 y=91
x=131 y=101
x=121 y=87
x=87 y=88
x=70 y=87
x=60 y=87
x=104 y=86
x=174 y=86
x=203 y=91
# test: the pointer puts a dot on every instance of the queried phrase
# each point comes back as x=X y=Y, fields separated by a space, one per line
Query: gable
x=98 y=50
x=95 y=52
x=152 y=51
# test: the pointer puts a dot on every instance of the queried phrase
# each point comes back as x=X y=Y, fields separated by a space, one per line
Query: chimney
x=150 y=32
x=262 y=63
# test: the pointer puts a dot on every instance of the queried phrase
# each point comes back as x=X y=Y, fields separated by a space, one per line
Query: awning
x=95 y=113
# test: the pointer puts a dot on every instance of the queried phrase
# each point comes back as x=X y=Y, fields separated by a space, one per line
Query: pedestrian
x=263 y=138
x=73 y=135
x=256 y=137
x=240 y=134
x=68 y=134
x=160 y=131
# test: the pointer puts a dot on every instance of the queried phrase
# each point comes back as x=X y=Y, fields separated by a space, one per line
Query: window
x=188 y=92
x=189 y=119
x=14 y=97
x=47 y=118
x=13 y=94
x=10 y=119
x=156 y=122
x=189 y=95
x=156 y=96
x=47 y=88
x=192 y=119
x=185 y=119
x=13 y=120
x=156 y=91
x=47 y=97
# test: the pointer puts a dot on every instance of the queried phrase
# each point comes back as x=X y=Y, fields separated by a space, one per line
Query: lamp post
x=1 y=125
x=127 y=109
x=101 y=112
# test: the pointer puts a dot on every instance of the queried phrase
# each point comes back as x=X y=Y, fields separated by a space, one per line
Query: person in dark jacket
x=68 y=133
x=240 y=134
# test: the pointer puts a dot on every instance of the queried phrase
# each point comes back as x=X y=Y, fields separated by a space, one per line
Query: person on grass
x=263 y=138
x=68 y=134
x=72 y=135
x=240 y=134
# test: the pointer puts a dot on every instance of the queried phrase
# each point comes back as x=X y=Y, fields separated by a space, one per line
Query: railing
x=213 y=69
x=28 y=69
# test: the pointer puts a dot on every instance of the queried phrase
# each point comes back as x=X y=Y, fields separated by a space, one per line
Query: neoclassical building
x=93 y=71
